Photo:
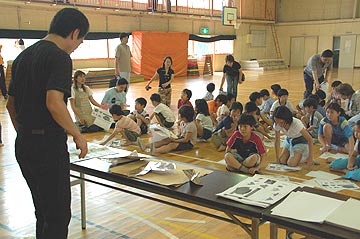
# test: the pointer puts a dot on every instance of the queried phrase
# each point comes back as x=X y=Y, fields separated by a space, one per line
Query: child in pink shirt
x=124 y=125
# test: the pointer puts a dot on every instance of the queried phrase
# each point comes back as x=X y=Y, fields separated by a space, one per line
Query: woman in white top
x=81 y=97
x=203 y=120
x=298 y=146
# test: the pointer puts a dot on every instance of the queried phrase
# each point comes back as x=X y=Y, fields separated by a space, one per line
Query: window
x=224 y=47
x=91 y=49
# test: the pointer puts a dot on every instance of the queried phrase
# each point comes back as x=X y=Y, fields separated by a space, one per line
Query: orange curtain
x=150 y=47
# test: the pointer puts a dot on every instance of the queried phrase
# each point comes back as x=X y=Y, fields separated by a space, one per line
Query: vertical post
x=355 y=8
x=82 y=197
x=255 y=223
x=273 y=231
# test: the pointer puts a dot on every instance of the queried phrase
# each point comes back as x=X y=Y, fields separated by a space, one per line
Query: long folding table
x=205 y=195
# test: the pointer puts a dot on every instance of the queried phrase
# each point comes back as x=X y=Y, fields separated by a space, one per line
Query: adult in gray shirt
x=317 y=70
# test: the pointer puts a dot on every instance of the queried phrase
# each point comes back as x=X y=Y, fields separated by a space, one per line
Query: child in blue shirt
x=334 y=131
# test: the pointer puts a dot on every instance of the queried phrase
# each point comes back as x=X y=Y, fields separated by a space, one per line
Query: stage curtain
x=150 y=47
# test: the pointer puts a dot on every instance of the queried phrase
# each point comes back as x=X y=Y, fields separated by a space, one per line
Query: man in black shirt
x=38 y=92
x=233 y=74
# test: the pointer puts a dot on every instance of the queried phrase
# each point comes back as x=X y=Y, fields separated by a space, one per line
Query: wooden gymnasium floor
x=112 y=214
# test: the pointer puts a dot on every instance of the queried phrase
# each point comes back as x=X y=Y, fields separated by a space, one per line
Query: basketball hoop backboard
x=229 y=16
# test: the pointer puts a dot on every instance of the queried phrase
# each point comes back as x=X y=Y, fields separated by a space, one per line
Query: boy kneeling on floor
x=245 y=150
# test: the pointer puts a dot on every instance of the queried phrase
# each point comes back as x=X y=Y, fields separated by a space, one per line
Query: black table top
x=213 y=183
x=322 y=230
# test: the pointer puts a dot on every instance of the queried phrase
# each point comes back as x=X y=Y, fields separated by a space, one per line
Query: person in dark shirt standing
x=233 y=74
x=38 y=93
x=165 y=74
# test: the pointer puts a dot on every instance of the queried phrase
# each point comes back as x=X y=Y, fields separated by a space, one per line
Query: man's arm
x=316 y=80
x=58 y=110
x=10 y=106
x=327 y=75
x=117 y=72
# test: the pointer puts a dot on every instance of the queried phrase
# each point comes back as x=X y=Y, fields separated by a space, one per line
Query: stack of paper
x=259 y=191
x=307 y=207
x=346 y=215
x=311 y=207
x=94 y=151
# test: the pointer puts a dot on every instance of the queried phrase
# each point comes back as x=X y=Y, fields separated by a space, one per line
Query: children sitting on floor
x=226 y=127
x=245 y=150
x=312 y=117
x=274 y=90
x=346 y=92
x=253 y=110
x=124 y=126
x=222 y=109
x=283 y=95
x=334 y=131
x=162 y=112
x=267 y=102
x=185 y=98
x=186 y=139
x=209 y=92
x=203 y=120
x=298 y=146
x=352 y=164
x=258 y=100
x=333 y=97
x=140 y=116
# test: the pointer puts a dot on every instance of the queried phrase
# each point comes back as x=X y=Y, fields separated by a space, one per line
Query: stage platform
x=263 y=64
x=100 y=77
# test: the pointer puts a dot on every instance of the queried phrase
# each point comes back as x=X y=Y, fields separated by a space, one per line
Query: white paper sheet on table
x=259 y=191
x=335 y=185
x=94 y=151
x=307 y=207
x=322 y=175
x=346 y=215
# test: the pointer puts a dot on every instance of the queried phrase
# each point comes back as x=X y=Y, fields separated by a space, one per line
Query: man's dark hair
x=116 y=110
x=264 y=92
x=123 y=34
x=250 y=107
x=254 y=96
x=210 y=87
x=309 y=102
x=141 y=101
x=67 y=20
x=282 y=92
x=327 y=53
x=229 y=58
x=246 y=119
x=121 y=81
x=155 y=97
x=187 y=112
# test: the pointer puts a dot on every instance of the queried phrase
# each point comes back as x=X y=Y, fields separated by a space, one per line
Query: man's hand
x=81 y=144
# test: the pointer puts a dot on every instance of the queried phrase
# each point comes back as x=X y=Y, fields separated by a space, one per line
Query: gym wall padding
x=149 y=49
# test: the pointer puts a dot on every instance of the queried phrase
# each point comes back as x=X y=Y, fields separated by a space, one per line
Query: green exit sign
x=204 y=30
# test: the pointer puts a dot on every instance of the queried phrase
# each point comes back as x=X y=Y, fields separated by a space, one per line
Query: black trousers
x=44 y=162
x=309 y=84
x=2 y=81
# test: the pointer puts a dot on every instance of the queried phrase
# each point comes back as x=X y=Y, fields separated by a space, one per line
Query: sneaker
x=334 y=147
x=141 y=144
